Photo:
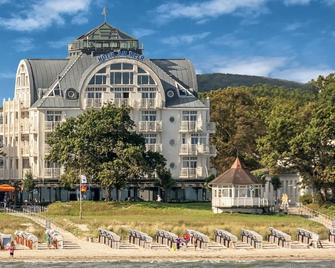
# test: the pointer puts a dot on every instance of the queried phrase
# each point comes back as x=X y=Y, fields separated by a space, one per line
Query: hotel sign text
x=124 y=54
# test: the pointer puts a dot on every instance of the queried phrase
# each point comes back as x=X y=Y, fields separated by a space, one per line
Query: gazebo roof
x=236 y=175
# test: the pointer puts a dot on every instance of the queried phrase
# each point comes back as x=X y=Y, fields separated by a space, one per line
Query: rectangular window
x=189 y=116
x=117 y=80
x=148 y=95
x=150 y=138
x=190 y=162
x=149 y=116
x=54 y=116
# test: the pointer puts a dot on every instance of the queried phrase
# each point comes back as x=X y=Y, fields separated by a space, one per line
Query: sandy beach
x=102 y=253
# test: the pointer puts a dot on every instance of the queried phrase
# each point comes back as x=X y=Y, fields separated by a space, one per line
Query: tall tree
x=238 y=125
x=103 y=145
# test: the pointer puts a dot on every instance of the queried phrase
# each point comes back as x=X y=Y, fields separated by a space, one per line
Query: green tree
x=28 y=183
x=103 y=145
x=238 y=125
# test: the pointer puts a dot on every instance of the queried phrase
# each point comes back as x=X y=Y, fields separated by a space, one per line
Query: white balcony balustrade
x=25 y=149
x=118 y=102
x=190 y=126
x=154 y=147
x=148 y=103
x=93 y=103
x=150 y=126
x=240 y=202
x=191 y=173
x=197 y=149
x=211 y=127
x=52 y=172
x=51 y=125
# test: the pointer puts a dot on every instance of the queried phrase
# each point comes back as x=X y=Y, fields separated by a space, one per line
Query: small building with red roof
x=237 y=190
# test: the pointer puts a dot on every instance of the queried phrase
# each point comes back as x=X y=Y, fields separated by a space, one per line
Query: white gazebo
x=237 y=190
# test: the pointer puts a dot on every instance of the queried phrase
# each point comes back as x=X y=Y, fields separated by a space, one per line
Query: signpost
x=82 y=189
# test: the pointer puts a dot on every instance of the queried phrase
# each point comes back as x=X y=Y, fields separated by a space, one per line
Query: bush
x=306 y=199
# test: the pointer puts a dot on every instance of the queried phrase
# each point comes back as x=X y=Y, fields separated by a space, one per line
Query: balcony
x=154 y=147
x=150 y=126
x=46 y=148
x=206 y=149
x=211 y=127
x=25 y=150
x=93 y=103
x=148 y=104
x=120 y=102
x=197 y=149
x=191 y=173
x=51 y=125
x=52 y=172
x=190 y=126
x=24 y=127
x=188 y=149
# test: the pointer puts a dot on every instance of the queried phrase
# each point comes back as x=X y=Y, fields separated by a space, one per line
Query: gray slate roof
x=42 y=73
x=70 y=73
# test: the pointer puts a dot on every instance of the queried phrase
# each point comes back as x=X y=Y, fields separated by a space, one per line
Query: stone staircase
x=243 y=245
x=215 y=246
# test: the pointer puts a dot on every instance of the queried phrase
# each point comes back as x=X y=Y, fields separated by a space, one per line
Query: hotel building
x=107 y=65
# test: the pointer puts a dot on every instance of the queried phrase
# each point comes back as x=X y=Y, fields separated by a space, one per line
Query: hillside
x=208 y=82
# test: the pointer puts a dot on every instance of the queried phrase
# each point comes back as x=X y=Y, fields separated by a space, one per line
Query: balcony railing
x=211 y=127
x=148 y=103
x=51 y=125
x=25 y=149
x=93 y=103
x=52 y=172
x=154 y=147
x=121 y=102
x=191 y=173
x=188 y=149
x=46 y=148
x=190 y=126
x=146 y=126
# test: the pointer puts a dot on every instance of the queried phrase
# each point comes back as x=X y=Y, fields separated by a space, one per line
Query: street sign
x=83 y=179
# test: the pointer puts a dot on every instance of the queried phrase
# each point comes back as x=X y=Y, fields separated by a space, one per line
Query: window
x=150 y=138
x=54 y=116
x=121 y=78
x=121 y=93
x=145 y=80
x=49 y=164
x=190 y=162
x=98 y=79
x=94 y=93
x=189 y=116
x=149 y=116
x=148 y=95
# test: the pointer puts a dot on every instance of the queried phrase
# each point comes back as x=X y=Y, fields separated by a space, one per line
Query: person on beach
x=11 y=249
x=187 y=238
x=178 y=243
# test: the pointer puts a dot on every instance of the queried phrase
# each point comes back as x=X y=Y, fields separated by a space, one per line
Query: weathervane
x=105 y=13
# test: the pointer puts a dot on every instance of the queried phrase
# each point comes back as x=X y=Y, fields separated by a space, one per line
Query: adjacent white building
x=107 y=65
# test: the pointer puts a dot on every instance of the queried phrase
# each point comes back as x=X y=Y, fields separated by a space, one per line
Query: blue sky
x=288 y=39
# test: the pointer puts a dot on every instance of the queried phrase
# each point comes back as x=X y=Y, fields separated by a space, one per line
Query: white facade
x=178 y=127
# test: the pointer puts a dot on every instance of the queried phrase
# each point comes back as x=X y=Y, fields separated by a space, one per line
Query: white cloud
x=297 y=2
x=4 y=2
x=24 y=44
x=302 y=74
x=260 y=66
x=7 y=75
x=184 y=39
x=80 y=19
x=60 y=43
x=142 y=32
x=293 y=26
x=44 y=13
x=205 y=9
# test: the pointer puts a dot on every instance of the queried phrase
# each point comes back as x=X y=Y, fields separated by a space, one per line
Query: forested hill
x=208 y=82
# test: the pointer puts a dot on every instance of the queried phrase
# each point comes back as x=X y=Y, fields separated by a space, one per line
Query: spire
x=105 y=13
x=237 y=163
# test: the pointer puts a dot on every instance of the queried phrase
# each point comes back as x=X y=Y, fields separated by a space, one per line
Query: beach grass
x=150 y=216
x=9 y=224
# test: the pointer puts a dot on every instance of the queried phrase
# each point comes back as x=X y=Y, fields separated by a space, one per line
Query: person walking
x=11 y=249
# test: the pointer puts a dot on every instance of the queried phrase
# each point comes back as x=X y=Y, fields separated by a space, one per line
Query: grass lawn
x=150 y=216
x=9 y=224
